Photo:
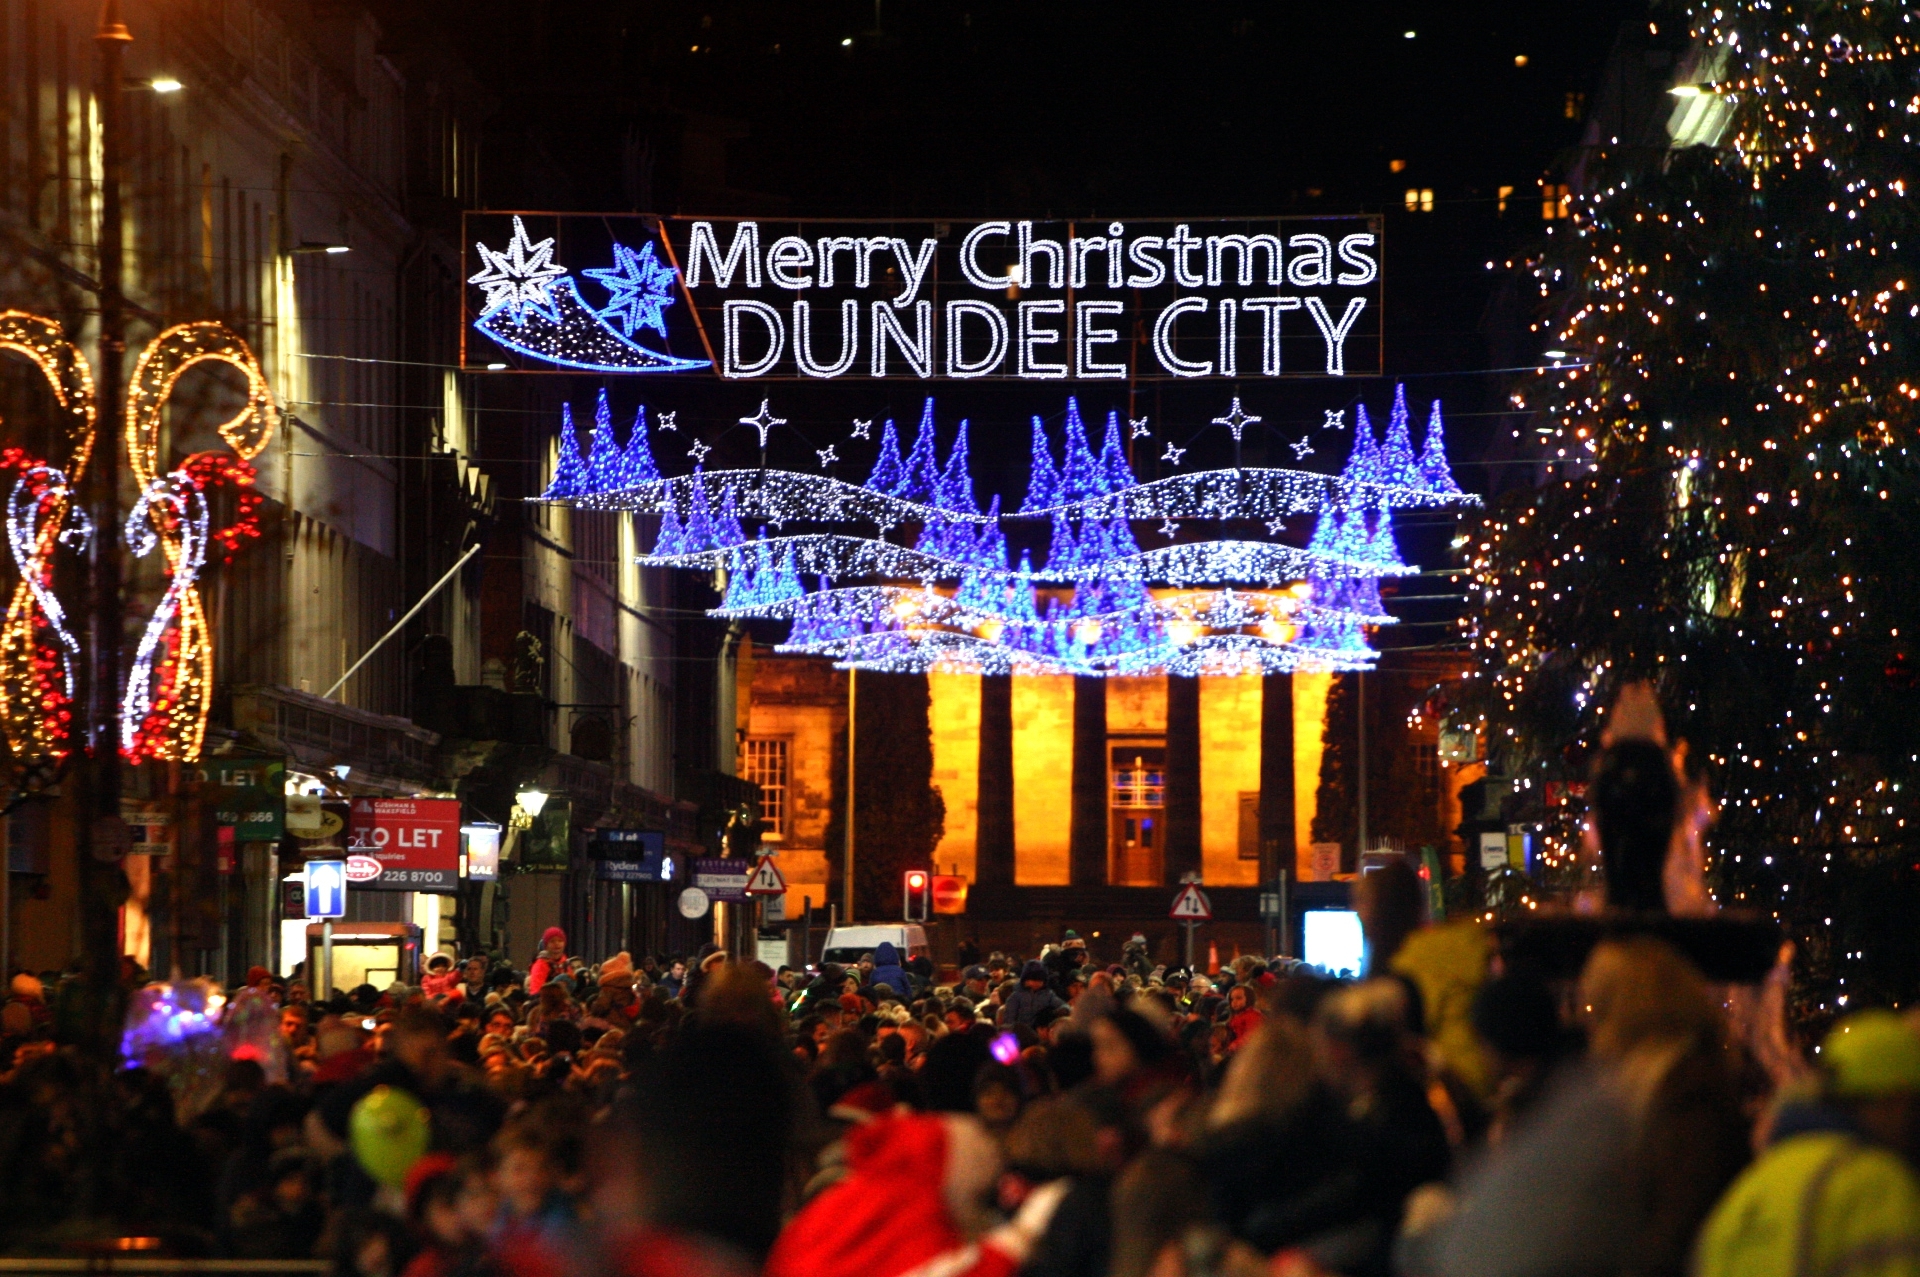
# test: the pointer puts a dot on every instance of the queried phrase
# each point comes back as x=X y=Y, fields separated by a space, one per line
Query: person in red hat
x=914 y=1200
x=551 y=962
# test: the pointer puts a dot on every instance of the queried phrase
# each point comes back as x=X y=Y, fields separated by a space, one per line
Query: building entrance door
x=1135 y=826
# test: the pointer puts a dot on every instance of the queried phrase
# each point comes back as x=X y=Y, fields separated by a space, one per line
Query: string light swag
x=954 y=594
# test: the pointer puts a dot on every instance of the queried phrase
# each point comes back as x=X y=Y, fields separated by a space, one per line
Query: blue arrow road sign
x=326 y=889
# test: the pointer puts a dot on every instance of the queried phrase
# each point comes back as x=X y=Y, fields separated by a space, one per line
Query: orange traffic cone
x=1213 y=958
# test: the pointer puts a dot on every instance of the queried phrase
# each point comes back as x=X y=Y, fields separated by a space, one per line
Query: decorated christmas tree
x=1732 y=489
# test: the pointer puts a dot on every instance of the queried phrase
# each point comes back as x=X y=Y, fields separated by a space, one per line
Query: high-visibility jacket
x=1822 y=1204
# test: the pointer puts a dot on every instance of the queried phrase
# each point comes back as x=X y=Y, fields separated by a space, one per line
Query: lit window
x=1420 y=200
x=1576 y=105
x=1504 y=192
x=1554 y=199
x=766 y=766
x=1396 y=166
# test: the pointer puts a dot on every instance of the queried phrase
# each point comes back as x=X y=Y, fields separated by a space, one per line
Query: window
x=1139 y=796
x=1426 y=765
x=1420 y=200
x=1505 y=191
x=1576 y=105
x=1249 y=831
x=1554 y=199
x=766 y=766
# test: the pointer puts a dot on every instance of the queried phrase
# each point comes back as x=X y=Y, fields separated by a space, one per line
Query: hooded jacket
x=888 y=971
x=1024 y=1003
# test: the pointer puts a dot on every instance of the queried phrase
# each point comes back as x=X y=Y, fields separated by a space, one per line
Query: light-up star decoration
x=642 y=289
x=1138 y=427
x=1236 y=419
x=1173 y=454
x=1336 y=419
x=667 y=421
x=532 y=306
x=520 y=278
x=862 y=428
x=1169 y=529
x=763 y=421
x=1302 y=449
x=1276 y=526
x=699 y=452
x=828 y=456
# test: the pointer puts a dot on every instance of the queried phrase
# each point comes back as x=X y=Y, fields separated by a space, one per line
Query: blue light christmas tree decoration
x=1043 y=480
x=672 y=541
x=1435 y=474
x=888 y=472
x=1363 y=461
x=1100 y=606
x=638 y=467
x=954 y=491
x=569 y=471
x=604 y=456
x=1081 y=476
x=1397 y=463
x=700 y=529
x=1113 y=458
x=922 y=476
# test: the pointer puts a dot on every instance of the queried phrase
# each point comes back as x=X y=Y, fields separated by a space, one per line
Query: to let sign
x=416 y=841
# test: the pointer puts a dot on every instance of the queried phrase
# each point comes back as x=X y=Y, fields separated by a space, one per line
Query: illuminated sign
x=1100 y=300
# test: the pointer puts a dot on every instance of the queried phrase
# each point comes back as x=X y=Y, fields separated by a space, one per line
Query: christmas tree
x=1732 y=488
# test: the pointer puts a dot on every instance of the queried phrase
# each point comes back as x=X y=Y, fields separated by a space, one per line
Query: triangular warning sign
x=1192 y=905
x=766 y=880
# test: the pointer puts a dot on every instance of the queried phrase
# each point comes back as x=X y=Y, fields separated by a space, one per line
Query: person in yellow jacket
x=1835 y=1194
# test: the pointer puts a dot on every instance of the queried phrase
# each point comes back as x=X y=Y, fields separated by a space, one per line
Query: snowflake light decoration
x=521 y=278
x=641 y=289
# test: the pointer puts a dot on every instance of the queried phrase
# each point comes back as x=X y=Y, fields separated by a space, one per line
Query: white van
x=847 y=945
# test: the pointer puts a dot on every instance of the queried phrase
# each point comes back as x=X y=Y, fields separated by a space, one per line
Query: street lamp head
x=320 y=246
x=165 y=84
x=531 y=800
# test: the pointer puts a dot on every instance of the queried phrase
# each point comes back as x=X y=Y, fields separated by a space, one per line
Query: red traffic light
x=916 y=898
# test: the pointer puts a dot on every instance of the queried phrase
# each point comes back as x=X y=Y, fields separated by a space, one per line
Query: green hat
x=1071 y=935
x=1872 y=1054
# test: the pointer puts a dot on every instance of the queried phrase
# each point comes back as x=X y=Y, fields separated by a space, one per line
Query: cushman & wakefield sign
x=927 y=300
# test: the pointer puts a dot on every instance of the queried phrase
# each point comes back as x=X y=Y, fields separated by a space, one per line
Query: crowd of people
x=1452 y=1113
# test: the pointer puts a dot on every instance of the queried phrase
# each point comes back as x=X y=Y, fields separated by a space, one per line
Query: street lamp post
x=101 y=836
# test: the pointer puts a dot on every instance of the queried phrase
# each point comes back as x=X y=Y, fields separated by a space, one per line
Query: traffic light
x=916 y=895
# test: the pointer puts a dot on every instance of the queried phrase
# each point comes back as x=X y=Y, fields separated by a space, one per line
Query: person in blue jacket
x=888 y=971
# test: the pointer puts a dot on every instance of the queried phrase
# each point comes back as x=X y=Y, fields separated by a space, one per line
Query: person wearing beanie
x=1836 y=1190
x=552 y=962
x=617 y=971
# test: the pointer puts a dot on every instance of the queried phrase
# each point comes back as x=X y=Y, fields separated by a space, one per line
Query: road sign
x=1192 y=905
x=766 y=880
x=693 y=903
x=326 y=889
x=949 y=893
x=721 y=879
